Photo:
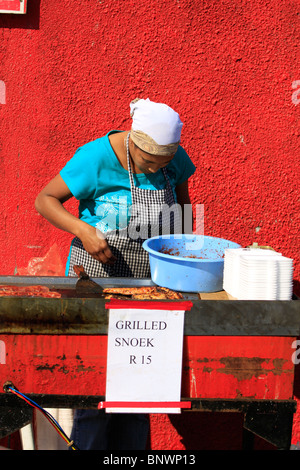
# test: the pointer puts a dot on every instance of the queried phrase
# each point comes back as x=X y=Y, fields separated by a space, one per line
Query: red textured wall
x=68 y=71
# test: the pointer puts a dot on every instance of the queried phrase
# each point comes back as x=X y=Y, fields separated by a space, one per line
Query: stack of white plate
x=257 y=274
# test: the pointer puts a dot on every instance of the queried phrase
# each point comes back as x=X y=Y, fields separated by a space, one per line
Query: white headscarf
x=158 y=121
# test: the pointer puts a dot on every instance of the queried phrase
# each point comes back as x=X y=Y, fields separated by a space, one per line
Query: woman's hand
x=96 y=245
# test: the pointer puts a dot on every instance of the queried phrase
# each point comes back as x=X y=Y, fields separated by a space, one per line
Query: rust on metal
x=244 y=368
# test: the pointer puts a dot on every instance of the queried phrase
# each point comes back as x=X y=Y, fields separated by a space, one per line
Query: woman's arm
x=183 y=199
x=49 y=203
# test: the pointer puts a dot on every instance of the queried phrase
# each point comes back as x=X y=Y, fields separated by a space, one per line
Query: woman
x=124 y=182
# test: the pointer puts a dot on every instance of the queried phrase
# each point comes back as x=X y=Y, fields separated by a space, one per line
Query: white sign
x=144 y=358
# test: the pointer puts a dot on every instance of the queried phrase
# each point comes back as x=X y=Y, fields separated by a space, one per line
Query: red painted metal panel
x=258 y=367
x=55 y=364
x=213 y=367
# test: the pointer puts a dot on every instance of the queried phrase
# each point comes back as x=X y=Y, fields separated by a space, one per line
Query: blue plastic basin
x=188 y=263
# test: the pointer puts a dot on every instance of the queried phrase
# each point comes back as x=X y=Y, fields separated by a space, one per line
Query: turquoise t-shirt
x=97 y=179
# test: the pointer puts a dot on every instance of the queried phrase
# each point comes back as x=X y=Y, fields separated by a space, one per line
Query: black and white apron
x=150 y=216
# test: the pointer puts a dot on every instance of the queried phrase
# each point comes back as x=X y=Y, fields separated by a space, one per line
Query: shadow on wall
x=213 y=431
x=201 y=431
x=30 y=20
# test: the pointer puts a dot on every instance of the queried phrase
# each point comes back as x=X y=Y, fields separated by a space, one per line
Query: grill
x=54 y=350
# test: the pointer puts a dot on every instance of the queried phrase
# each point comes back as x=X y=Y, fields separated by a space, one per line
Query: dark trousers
x=97 y=430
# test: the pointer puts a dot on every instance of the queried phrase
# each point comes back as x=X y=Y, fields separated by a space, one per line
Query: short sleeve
x=183 y=165
x=80 y=174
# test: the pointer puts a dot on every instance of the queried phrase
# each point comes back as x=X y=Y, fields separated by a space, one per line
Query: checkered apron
x=150 y=216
